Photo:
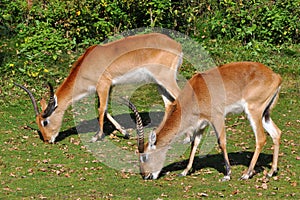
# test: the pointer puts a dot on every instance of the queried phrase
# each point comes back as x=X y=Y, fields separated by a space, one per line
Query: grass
x=31 y=169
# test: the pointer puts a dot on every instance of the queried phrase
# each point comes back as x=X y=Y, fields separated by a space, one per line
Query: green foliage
x=12 y=13
x=159 y=12
x=45 y=39
x=275 y=22
x=50 y=30
x=83 y=22
x=41 y=45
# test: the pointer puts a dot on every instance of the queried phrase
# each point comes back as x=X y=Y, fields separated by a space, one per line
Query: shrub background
x=42 y=38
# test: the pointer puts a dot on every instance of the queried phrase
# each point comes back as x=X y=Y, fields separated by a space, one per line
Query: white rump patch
x=270 y=128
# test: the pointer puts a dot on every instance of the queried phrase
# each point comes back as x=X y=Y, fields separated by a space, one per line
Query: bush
x=274 y=22
x=41 y=46
x=48 y=30
x=12 y=13
x=36 y=39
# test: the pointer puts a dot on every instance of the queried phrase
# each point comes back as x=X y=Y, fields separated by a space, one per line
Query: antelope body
x=149 y=57
x=206 y=100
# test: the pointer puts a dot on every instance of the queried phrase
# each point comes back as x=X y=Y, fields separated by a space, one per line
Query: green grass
x=31 y=169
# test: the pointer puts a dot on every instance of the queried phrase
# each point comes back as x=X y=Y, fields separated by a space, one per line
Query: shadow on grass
x=210 y=161
x=216 y=161
x=150 y=120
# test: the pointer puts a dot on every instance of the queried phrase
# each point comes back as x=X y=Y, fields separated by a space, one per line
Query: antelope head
x=151 y=158
x=48 y=124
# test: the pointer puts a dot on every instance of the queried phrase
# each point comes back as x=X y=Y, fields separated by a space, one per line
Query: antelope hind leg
x=118 y=126
x=275 y=133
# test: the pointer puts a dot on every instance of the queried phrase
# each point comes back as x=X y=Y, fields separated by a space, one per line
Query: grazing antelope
x=149 y=57
x=206 y=100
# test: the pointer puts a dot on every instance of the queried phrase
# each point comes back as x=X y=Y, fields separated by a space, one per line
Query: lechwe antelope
x=149 y=57
x=205 y=100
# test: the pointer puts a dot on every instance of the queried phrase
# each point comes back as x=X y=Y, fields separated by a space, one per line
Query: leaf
x=202 y=194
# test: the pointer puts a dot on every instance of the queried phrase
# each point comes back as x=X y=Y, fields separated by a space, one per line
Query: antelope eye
x=45 y=123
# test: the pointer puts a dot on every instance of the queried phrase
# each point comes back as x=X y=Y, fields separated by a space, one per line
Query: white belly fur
x=135 y=76
x=235 y=108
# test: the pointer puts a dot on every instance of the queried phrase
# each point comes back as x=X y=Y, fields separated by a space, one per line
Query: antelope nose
x=47 y=141
x=148 y=176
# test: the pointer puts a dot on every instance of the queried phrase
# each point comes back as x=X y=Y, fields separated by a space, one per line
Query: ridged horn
x=31 y=97
x=139 y=126
x=51 y=105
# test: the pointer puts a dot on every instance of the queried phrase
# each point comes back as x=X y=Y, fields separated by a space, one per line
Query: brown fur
x=68 y=83
x=100 y=65
x=207 y=98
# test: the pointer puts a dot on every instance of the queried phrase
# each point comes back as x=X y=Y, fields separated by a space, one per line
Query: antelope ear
x=43 y=104
x=152 y=140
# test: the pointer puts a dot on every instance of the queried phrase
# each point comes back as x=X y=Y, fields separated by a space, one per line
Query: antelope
x=204 y=101
x=149 y=57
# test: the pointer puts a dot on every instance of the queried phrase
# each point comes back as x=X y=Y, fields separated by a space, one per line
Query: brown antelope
x=149 y=57
x=206 y=100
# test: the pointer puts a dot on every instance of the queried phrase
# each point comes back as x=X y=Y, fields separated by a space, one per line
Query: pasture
x=30 y=169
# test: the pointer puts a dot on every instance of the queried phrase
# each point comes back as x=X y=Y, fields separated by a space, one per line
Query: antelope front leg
x=219 y=127
x=103 y=92
x=99 y=134
x=116 y=124
x=194 y=146
x=222 y=144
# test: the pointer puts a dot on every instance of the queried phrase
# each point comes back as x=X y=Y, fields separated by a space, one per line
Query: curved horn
x=31 y=97
x=139 y=127
x=51 y=105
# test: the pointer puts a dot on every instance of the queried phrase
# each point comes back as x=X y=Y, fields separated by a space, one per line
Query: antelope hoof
x=126 y=134
x=225 y=178
x=184 y=173
x=271 y=173
x=97 y=137
x=94 y=139
x=187 y=140
x=246 y=176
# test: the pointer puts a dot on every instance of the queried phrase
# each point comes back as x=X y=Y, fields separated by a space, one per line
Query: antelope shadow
x=150 y=120
x=216 y=162
x=153 y=119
